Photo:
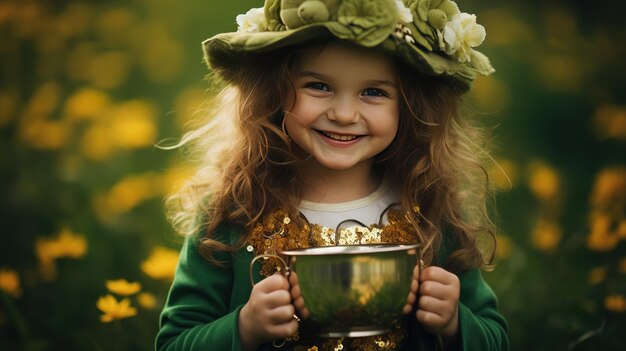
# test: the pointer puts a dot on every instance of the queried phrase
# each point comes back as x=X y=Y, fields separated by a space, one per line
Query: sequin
x=250 y=248
x=287 y=220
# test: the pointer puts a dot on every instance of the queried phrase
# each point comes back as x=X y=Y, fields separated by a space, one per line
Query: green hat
x=433 y=36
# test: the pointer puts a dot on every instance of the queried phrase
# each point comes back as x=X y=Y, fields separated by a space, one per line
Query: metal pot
x=352 y=290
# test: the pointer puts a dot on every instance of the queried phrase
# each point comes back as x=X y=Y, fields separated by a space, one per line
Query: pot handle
x=419 y=262
x=285 y=272
x=256 y=258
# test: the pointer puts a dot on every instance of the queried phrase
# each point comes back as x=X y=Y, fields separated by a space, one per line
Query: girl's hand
x=438 y=305
x=413 y=293
x=296 y=295
x=268 y=314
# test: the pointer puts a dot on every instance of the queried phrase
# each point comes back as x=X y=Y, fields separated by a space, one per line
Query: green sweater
x=202 y=308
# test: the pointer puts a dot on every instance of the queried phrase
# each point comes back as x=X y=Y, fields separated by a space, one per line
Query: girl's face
x=346 y=105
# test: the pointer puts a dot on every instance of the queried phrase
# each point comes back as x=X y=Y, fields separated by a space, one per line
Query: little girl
x=338 y=124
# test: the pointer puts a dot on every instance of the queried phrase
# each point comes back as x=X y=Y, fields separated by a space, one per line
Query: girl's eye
x=318 y=86
x=373 y=92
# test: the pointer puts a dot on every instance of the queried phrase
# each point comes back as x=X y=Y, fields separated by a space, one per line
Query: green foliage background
x=77 y=76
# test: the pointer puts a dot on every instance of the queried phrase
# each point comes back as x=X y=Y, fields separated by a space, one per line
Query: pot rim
x=349 y=249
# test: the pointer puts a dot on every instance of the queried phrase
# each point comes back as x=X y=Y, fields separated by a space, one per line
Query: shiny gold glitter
x=339 y=345
x=286 y=220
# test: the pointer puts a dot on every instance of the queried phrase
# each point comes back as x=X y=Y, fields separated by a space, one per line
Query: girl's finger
x=438 y=290
x=277 y=298
x=406 y=309
x=299 y=303
x=284 y=330
x=414 y=286
x=295 y=292
x=293 y=278
x=273 y=282
x=281 y=315
x=410 y=300
x=438 y=274
x=433 y=305
x=429 y=320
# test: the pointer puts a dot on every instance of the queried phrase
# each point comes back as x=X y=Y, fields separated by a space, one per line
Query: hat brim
x=228 y=51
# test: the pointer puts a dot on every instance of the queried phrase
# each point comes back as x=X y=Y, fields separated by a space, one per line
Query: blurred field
x=88 y=88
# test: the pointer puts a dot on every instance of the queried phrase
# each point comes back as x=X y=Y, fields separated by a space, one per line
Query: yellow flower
x=45 y=135
x=546 y=234
x=71 y=245
x=610 y=122
x=123 y=287
x=597 y=275
x=543 y=181
x=608 y=201
x=161 y=264
x=96 y=143
x=65 y=245
x=600 y=238
x=113 y=309
x=609 y=188
x=86 y=104
x=615 y=303
x=44 y=99
x=146 y=300
x=10 y=282
x=131 y=191
x=132 y=124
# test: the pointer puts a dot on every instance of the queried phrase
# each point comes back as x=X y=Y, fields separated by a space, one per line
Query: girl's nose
x=344 y=111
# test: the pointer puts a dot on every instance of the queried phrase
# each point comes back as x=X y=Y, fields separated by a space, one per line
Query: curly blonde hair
x=249 y=169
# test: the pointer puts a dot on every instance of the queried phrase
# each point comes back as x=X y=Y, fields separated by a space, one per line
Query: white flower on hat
x=252 y=21
x=460 y=34
x=405 y=12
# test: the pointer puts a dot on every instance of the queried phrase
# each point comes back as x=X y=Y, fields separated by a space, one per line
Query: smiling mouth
x=339 y=137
